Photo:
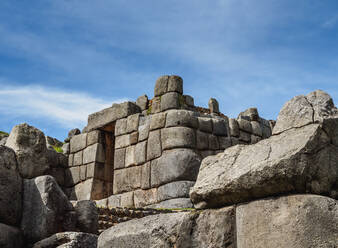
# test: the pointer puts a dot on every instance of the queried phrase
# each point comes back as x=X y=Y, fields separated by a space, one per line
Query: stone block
x=213 y=142
x=109 y=115
x=103 y=203
x=94 y=153
x=174 y=165
x=95 y=170
x=224 y=142
x=127 y=200
x=181 y=118
x=234 y=127
x=161 y=86
x=213 y=105
x=202 y=141
x=178 y=137
x=83 y=172
x=170 y=101
x=266 y=132
x=205 y=124
x=78 y=142
x=156 y=105
x=255 y=139
x=141 y=152
x=174 y=203
x=288 y=222
x=206 y=153
x=175 y=84
x=244 y=136
x=70 y=160
x=95 y=136
x=251 y=114
x=179 y=189
x=235 y=141
x=145 y=176
x=121 y=127
x=220 y=127
x=189 y=100
x=132 y=123
x=99 y=189
x=130 y=156
x=133 y=138
x=143 y=129
x=59 y=175
x=10 y=237
x=154 y=149
x=144 y=198
x=122 y=141
x=78 y=159
x=142 y=102
x=245 y=125
x=114 y=201
x=157 y=121
x=127 y=179
x=72 y=176
x=119 y=158
x=256 y=128
x=66 y=148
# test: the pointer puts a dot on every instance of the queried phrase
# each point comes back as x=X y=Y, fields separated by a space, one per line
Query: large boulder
x=29 y=144
x=87 y=216
x=206 y=229
x=300 y=157
x=288 y=222
x=10 y=237
x=68 y=240
x=46 y=209
x=10 y=188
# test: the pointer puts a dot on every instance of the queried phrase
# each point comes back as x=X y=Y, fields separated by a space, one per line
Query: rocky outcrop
x=180 y=230
x=10 y=237
x=87 y=216
x=46 y=209
x=301 y=157
x=68 y=240
x=288 y=222
x=10 y=188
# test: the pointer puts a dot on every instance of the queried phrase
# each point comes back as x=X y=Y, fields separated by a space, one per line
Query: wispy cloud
x=330 y=22
x=69 y=109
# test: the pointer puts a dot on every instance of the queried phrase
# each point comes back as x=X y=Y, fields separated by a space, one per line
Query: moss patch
x=58 y=149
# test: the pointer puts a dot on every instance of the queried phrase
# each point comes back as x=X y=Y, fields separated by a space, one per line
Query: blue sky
x=61 y=60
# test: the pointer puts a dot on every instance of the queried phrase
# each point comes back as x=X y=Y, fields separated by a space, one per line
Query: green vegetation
x=149 y=110
x=58 y=149
x=4 y=134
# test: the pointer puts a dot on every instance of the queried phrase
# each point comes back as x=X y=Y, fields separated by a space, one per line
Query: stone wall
x=149 y=153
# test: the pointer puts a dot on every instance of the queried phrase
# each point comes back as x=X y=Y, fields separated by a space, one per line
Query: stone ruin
x=148 y=153
x=166 y=173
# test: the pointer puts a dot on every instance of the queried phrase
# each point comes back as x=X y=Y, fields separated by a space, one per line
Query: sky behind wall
x=62 y=60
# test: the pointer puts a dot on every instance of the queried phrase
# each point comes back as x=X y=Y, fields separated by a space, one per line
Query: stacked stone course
x=156 y=147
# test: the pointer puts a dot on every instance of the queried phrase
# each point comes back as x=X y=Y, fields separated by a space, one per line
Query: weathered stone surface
x=94 y=170
x=174 y=165
x=206 y=153
x=103 y=203
x=132 y=123
x=256 y=128
x=174 y=203
x=83 y=190
x=155 y=105
x=154 y=149
x=143 y=129
x=66 y=148
x=78 y=158
x=144 y=233
x=245 y=125
x=266 y=132
x=213 y=105
x=143 y=198
x=45 y=208
x=72 y=176
x=140 y=152
x=220 y=126
x=178 y=137
x=157 y=121
x=142 y=102
x=234 y=127
x=178 y=189
x=133 y=138
x=50 y=142
x=29 y=144
x=161 y=86
x=95 y=136
x=3 y=141
x=251 y=114
x=224 y=142
x=122 y=141
x=244 y=136
x=130 y=156
x=202 y=141
x=114 y=201
x=70 y=160
x=78 y=142
x=127 y=179
x=175 y=84
x=121 y=127
x=10 y=237
x=109 y=115
x=255 y=139
x=83 y=173
x=119 y=158
x=213 y=142
x=87 y=216
x=127 y=200
x=288 y=222
x=299 y=160
x=10 y=188
x=181 y=118
x=73 y=132
x=170 y=101
x=189 y=100
x=205 y=124
x=145 y=176
x=68 y=240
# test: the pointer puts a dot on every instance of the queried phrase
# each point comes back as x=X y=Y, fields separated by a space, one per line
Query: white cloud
x=69 y=109
x=331 y=22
